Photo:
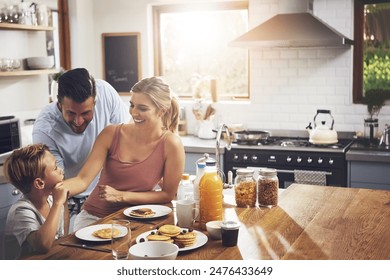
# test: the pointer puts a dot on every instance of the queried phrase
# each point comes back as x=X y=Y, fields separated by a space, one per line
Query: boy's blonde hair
x=25 y=165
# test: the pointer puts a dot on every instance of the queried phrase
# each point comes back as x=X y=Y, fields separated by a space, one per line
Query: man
x=70 y=126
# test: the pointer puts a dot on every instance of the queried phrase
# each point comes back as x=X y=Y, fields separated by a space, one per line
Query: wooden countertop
x=310 y=222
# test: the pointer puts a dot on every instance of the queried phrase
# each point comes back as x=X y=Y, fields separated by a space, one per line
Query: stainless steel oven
x=291 y=154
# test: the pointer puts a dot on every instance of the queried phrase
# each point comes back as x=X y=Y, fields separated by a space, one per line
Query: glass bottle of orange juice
x=210 y=195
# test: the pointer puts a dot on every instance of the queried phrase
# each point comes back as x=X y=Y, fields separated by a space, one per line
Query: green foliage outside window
x=376 y=57
x=376 y=69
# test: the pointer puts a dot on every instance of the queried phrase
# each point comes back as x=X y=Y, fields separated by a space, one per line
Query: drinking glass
x=120 y=243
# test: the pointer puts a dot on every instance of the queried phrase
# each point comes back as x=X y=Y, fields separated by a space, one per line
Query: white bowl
x=214 y=229
x=154 y=250
x=40 y=62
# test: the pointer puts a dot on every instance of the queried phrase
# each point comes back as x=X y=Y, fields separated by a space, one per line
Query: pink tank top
x=126 y=176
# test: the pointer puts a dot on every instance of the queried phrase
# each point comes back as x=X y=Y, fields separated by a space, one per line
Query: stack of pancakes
x=143 y=213
x=106 y=233
x=173 y=234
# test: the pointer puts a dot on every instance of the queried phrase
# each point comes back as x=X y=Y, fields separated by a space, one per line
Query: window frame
x=358 y=95
x=157 y=10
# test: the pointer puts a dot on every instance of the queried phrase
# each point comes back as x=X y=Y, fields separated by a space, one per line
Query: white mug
x=186 y=213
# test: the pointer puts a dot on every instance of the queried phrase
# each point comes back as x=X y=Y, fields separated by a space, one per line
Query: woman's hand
x=109 y=194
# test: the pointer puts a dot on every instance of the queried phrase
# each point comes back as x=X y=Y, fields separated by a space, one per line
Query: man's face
x=77 y=115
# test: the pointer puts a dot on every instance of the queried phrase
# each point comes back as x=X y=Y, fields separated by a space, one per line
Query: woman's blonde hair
x=24 y=165
x=161 y=95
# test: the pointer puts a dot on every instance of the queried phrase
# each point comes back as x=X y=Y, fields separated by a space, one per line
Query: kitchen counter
x=310 y=222
x=193 y=144
x=360 y=151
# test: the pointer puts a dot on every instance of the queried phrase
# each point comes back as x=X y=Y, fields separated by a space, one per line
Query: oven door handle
x=292 y=172
x=281 y=170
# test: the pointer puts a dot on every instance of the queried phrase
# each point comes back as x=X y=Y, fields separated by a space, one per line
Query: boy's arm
x=42 y=239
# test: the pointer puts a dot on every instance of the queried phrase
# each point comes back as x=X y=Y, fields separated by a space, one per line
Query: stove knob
x=288 y=159
x=254 y=158
x=299 y=159
x=319 y=160
x=245 y=157
x=236 y=157
x=309 y=160
x=331 y=161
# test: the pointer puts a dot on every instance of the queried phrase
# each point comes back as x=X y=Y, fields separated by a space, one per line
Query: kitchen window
x=372 y=49
x=192 y=52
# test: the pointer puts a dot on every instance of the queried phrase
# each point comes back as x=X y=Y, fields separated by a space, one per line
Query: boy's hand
x=60 y=194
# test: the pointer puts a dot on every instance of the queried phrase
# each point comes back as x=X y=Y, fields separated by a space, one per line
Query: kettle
x=322 y=134
x=385 y=139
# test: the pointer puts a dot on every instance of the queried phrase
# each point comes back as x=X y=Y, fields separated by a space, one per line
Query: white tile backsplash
x=289 y=85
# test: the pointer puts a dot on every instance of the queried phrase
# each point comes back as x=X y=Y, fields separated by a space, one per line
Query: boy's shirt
x=23 y=218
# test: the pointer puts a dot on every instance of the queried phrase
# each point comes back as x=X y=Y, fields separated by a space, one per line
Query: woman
x=134 y=157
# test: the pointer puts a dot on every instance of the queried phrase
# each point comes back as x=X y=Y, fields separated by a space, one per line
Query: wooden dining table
x=309 y=223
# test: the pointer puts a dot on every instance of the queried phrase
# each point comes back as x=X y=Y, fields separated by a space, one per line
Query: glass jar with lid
x=245 y=188
x=268 y=186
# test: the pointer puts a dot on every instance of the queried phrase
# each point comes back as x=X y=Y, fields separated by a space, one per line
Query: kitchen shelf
x=27 y=72
x=15 y=26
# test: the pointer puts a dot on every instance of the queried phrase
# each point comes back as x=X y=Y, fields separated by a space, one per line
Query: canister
x=245 y=188
x=268 y=187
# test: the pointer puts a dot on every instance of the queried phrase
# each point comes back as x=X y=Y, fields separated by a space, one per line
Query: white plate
x=201 y=239
x=86 y=233
x=160 y=210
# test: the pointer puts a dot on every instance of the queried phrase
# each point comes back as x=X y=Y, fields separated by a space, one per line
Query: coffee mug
x=186 y=213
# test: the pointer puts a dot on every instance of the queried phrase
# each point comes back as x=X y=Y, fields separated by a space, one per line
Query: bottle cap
x=245 y=171
x=268 y=171
x=185 y=176
x=201 y=164
x=211 y=162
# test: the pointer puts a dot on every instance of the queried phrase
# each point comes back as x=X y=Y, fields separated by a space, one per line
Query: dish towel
x=310 y=177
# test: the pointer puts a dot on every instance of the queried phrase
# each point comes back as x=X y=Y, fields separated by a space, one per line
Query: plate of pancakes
x=147 y=211
x=185 y=238
x=101 y=232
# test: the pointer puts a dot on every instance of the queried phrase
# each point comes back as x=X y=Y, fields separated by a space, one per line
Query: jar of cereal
x=268 y=186
x=245 y=188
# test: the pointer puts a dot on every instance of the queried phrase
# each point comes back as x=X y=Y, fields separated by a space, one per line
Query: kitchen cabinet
x=191 y=158
x=372 y=175
x=195 y=148
x=368 y=167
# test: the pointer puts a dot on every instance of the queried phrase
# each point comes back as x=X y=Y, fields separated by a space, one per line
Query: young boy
x=39 y=216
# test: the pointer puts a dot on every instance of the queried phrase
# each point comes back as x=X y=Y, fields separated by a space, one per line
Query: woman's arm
x=173 y=170
x=93 y=164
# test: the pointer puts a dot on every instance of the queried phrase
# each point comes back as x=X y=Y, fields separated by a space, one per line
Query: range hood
x=294 y=27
